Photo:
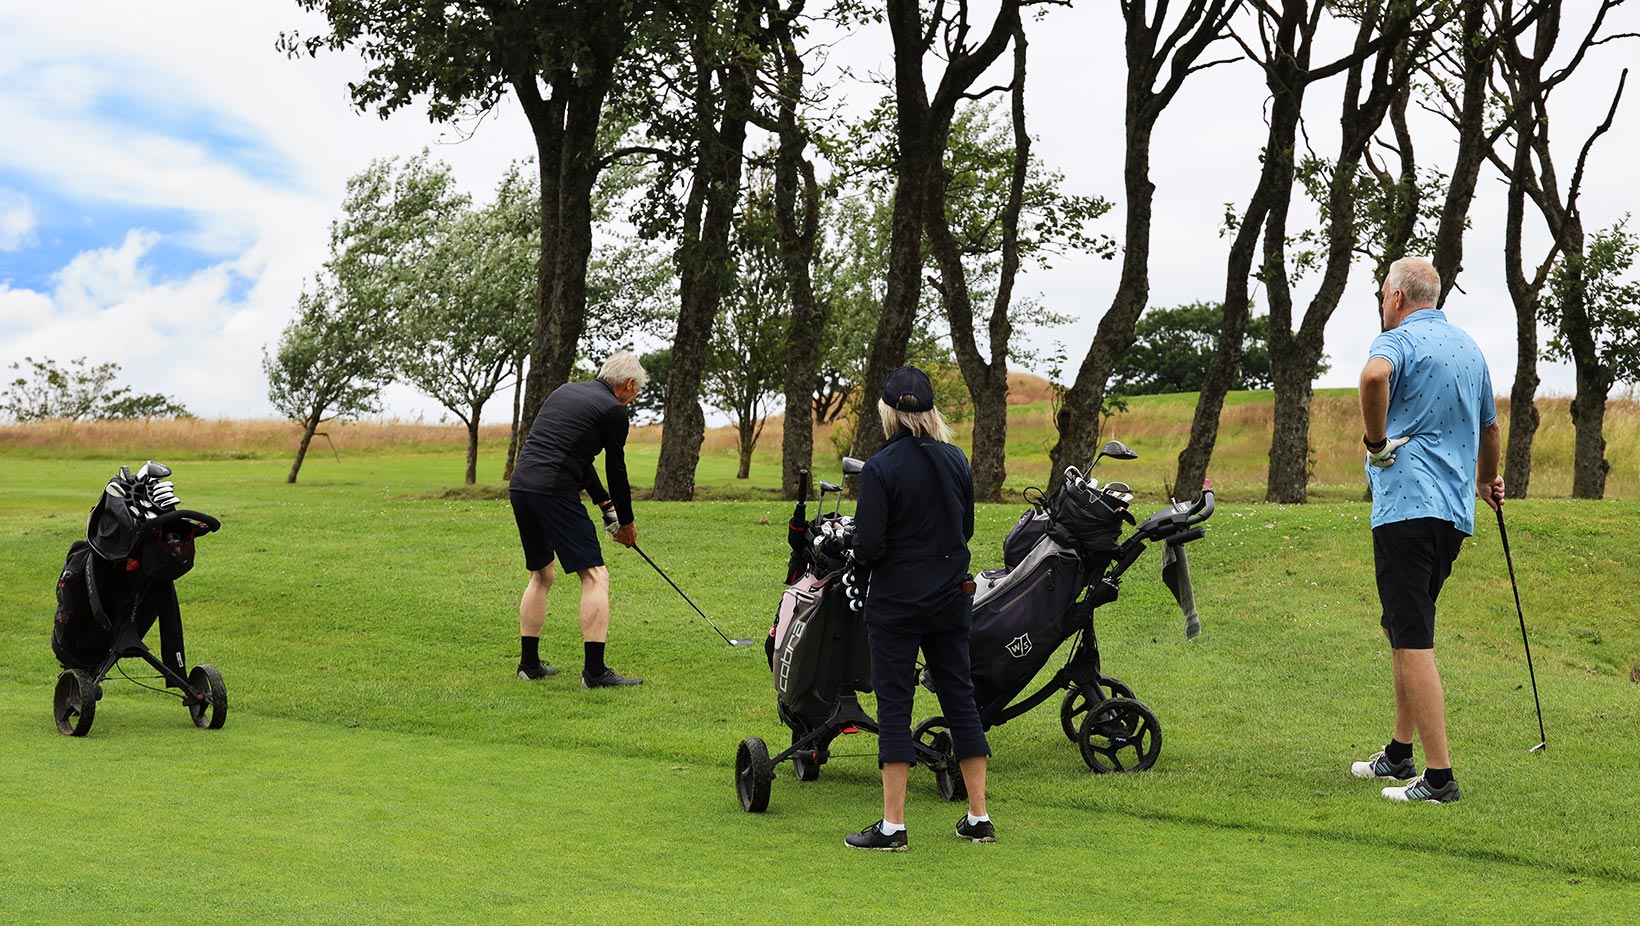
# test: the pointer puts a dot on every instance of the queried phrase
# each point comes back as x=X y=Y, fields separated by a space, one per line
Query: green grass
x=380 y=763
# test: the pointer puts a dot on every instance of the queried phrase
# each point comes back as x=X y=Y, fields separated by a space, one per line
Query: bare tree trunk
x=471 y=476
x=1478 y=50
x=308 y=427
x=748 y=443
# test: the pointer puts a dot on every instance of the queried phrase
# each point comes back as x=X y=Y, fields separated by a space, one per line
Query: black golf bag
x=1063 y=559
x=115 y=585
x=810 y=669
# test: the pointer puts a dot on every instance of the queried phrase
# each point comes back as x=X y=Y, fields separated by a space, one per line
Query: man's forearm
x=1486 y=469
x=1375 y=400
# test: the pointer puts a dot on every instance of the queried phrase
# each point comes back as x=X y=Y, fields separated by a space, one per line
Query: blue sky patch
x=227 y=138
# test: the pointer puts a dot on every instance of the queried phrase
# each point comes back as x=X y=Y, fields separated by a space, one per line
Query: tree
x=746 y=364
x=330 y=363
x=1532 y=175
x=1172 y=348
x=463 y=326
x=560 y=60
x=77 y=391
x=922 y=123
x=1159 y=60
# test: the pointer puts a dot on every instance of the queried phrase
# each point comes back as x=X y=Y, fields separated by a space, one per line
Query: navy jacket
x=575 y=423
x=911 y=530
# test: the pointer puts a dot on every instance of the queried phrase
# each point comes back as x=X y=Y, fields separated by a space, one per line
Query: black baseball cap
x=908 y=390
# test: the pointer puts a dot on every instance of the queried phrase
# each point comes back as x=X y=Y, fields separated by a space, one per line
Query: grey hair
x=930 y=423
x=1417 y=279
x=621 y=367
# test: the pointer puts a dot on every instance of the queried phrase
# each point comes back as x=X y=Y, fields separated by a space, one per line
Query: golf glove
x=611 y=522
x=1386 y=455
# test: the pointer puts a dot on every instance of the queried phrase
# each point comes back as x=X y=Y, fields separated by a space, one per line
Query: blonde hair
x=921 y=424
x=622 y=366
x=1417 y=279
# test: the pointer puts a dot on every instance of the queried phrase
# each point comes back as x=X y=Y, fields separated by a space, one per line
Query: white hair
x=1417 y=279
x=930 y=423
x=621 y=367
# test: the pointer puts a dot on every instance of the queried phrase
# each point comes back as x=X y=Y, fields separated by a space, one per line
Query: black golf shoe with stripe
x=872 y=838
x=535 y=671
x=1420 y=790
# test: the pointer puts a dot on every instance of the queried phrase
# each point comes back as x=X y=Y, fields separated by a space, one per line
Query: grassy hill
x=1156 y=426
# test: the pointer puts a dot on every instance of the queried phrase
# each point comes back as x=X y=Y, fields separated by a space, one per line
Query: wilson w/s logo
x=1020 y=646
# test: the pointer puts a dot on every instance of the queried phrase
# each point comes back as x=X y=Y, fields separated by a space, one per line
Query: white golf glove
x=612 y=523
x=1386 y=455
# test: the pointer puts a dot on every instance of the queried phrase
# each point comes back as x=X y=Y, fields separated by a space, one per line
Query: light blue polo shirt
x=1440 y=395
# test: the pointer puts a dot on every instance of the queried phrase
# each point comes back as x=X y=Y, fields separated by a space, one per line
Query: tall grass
x=1156 y=426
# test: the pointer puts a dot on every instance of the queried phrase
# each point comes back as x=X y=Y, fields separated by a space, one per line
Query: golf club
x=691 y=603
x=1503 y=534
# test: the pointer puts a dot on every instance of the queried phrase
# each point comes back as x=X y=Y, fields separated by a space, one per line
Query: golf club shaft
x=685 y=597
x=1503 y=534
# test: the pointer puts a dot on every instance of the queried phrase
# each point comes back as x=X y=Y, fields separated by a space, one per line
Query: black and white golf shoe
x=982 y=831
x=609 y=679
x=1420 y=790
x=535 y=671
x=872 y=837
x=1377 y=766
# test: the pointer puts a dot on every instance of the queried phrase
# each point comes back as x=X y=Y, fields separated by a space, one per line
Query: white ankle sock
x=889 y=829
x=973 y=819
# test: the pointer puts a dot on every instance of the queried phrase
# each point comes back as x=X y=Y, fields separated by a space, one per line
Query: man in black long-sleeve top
x=575 y=424
x=912 y=526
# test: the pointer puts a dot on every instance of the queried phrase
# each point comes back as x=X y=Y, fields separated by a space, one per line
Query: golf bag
x=115 y=585
x=812 y=628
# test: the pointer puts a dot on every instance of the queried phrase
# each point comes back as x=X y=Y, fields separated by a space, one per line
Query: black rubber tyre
x=753 y=775
x=1119 y=735
x=1077 y=701
x=949 y=779
x=75 y=703
x=214 y=713
x=805 y=769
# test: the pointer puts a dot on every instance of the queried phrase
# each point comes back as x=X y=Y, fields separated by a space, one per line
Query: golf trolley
x=115 y=585
x=819 y=658
x=1063 y=561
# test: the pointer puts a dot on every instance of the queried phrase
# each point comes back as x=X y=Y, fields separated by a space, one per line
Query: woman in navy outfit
x=912 y=525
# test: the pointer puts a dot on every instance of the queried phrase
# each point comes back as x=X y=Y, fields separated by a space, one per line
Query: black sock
x=594 y=659
x=1398 y=751
x=529 y=650
x=1437 y=777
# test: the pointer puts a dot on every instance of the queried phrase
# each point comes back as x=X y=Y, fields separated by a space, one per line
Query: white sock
x=889 y=829
x=972 y=820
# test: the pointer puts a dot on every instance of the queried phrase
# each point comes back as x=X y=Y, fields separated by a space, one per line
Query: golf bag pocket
x=79 y=636
x=1031 y=527
x=1021 y=616
x=811 y=667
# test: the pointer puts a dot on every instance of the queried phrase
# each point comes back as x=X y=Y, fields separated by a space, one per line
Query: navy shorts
x=1413 y=559
x=555 y=525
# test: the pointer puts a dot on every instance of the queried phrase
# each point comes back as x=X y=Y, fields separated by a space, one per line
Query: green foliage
x=78 y=391
x=1173 y=347
x=331 y=360
x=650 y=405
x=1601 y=280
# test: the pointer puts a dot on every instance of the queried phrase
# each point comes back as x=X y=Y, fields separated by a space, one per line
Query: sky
x=167 y=180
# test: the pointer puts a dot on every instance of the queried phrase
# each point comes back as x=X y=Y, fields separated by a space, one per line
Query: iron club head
x=1541 y=747
x=741 y=642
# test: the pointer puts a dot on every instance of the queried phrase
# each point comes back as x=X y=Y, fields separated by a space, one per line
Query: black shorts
x=550 y=525
x=1413 y=559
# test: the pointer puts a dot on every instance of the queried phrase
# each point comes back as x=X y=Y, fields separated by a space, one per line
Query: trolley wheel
x=1078 y=699
x=1119 y=735
x=213 y=712
x=949 y=778
x=753 y=775
x=75 y=703
x=805 y=768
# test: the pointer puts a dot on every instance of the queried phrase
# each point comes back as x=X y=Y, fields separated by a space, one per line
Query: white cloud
x=16 y=221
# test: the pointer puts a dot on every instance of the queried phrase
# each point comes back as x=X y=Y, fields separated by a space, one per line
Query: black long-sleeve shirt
x=912 y=526
x=575 y=424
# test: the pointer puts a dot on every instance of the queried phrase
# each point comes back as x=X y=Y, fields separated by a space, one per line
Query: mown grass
x=1157 y=426
x=381 y=764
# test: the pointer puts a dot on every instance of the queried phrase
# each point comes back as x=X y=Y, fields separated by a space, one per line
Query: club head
x=829 y=487
x=741 y=642
x=853 y=466
x=1116 y=450
x=1541 y=747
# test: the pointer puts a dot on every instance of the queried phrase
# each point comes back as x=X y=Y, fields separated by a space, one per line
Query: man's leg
x=594 y=604
x=532 y=608
x=894 y=778
x=1426 y=703
x=1405 y=727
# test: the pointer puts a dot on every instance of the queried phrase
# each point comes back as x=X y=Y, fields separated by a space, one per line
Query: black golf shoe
x=608 y=680
x=1377 y=766
x=872 y=838
x=982 y=831
x=1420 y=790
x=535 y=671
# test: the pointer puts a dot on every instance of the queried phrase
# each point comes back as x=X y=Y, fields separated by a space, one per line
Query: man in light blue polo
x=1432 y=445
